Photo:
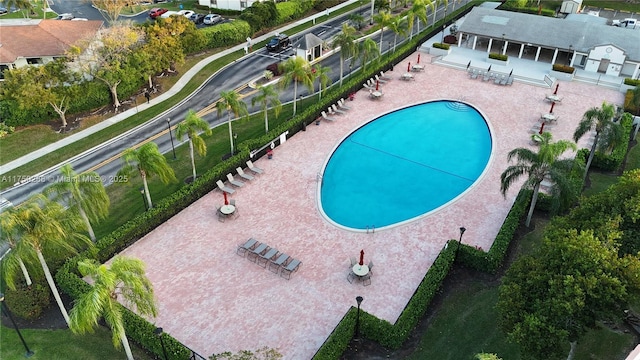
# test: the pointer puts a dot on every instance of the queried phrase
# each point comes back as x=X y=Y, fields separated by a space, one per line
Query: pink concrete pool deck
x=213 y=300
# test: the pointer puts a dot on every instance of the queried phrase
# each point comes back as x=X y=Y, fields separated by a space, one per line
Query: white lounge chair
x=255 y=169
x=233 y=181
x=379 y=79
x=324 y=116
x=335 y=109
x=224 y=188
x=341 y=105
x=384 y=77
x=244 y=175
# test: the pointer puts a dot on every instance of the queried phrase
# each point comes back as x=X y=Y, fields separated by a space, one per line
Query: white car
x=169 y=13
x=186 y=13
x=211 y=19
x=65 y=16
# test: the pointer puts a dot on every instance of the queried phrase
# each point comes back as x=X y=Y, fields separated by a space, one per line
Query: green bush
x=497 y=56
x=28 y=302
x=287 y=11
x=441 y=46
x=612 y=161
x=227 y=34
x=632 y=82
x=563 y=68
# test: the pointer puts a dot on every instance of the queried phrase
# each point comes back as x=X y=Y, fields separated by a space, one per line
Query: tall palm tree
x=322 y=74
x=125 y=279
x=231 y=102
x=296 y=69
x=50 y=228
x=20 y=5
x=368 y=50
x=383 y=19
x=399 y=27
x=434 y=5
x=192 y=126
x=537 y=166
x=267 y=95
x=12 y=222
x=345 y=40
x=147 y=161
x=83 y=193
x=608 y=133
x=418 y=11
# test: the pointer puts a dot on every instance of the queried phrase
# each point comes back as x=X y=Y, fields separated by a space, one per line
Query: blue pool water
x=405 y=164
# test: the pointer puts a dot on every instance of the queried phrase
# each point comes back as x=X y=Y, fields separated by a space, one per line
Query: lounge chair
x=233 y=181
x=335 y=109
x=244 y=175
x=385 y=77
x=247 y=246
x=255 y=169
x=379 y=79
x=275 y=265
x=341 y=105
x=224 y=188
x=292 y=267
x=324 y=116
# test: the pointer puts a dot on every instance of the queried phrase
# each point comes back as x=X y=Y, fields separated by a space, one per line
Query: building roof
x=549 y=32
x=311 y=41
x=42 y=37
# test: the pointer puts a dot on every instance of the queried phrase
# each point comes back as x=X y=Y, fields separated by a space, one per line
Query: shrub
x=28 y=302
x=6 y=130
x=497 y=56
x=563 y=68
x=632 y=82
x=629 y=106
x=286 y=11
x=612 y=161
x=226 y=34
x=441 y=46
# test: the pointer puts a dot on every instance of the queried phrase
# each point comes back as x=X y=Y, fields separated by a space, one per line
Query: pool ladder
x=371 y=229
x=319 y=177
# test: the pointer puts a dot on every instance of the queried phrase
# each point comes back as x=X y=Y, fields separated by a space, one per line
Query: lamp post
x=359 y=301
x=462 y=230
x=144 y=199
x=235 y=137
x=371 y=18
x=5 y=311
x=171 y=137
x=158 y=332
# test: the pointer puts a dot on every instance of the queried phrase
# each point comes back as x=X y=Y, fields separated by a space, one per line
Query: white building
x=228 y=4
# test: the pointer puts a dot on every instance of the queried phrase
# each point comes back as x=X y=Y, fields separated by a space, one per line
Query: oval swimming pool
x=405 y=164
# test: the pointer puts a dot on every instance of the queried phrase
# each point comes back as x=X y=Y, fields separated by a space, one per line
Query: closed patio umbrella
x=226 y=201
x=418 y=58
x=555 y=92
x=377 y=85
x=409 y=66
x=553 y=103
x=361 y=257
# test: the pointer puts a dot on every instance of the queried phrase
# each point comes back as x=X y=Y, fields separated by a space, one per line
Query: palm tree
x=345 y=40
x=434 y=4
x=368 y=50
x=267 y=95
x=537 y=166
x=50 y=228
x=322 y=74
x=12 y=222
x=20 y=5
x=147 y=161
x=296 y=69
x=418 y=11
x=124 y=279
x=191 y=126
x=357 y=20
x=83 y=193
x=399 y=27
x=383 y=19
x=608 y=133
x=230 y=101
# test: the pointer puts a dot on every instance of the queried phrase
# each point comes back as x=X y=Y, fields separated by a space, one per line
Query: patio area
x=213 y=300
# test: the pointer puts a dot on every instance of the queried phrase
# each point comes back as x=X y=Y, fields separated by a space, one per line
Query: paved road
x=231 y=77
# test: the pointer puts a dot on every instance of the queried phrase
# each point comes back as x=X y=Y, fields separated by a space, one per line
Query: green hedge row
x=441 y=46
x=527 y=10
x=612 y=162
x=632 y=82
x=563 y=68
x=227 y=34
x=497 y=56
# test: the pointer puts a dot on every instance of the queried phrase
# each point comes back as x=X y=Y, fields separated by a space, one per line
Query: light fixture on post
x=158 y=332
x=5 y=311
x=144 y=199
x=359 y=301
x=462 y=230
x=171 y=137
x=235 y=143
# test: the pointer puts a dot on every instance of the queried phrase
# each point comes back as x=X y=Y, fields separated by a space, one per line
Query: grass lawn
x=63 y=344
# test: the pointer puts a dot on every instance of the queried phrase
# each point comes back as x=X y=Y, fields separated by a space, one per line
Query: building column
x=475 y=40
x=573 y=58
x=521 y=51
x=504 y=47
x=555 y=55
x=489 y=45
x=537 y=53
x=460 y=39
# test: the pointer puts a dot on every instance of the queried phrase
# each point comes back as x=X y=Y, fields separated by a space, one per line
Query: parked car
x=3 y=10
x=627 y=23
x=155 y=12
x=65 y=16
x=186 y=13
x=170 y=13
x=197 y=18
x=211 y=19
x=279 y=43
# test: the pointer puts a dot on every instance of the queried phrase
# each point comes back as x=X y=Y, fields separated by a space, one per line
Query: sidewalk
x=182 y=82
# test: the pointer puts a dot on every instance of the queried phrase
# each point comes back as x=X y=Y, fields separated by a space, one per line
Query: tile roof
x=42 y=38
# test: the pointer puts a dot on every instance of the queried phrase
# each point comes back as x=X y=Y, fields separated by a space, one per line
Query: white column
x=504 y=49
x=460 y=39
x=555 y=55
x=538 y=53
x=489 y=46
x=521 y=50
x=573 y=58
x=475 y=40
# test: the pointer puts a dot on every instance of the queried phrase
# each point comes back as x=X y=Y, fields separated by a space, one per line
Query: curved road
x=104 y=158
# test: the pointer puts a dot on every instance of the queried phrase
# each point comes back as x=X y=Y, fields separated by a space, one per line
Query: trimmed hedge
x=564 y=68
x=28 y=302
x=497 y=56
x=227 y=34
x=441 y=46
x=632 y=82
x=612 y=161
x=628 y=102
